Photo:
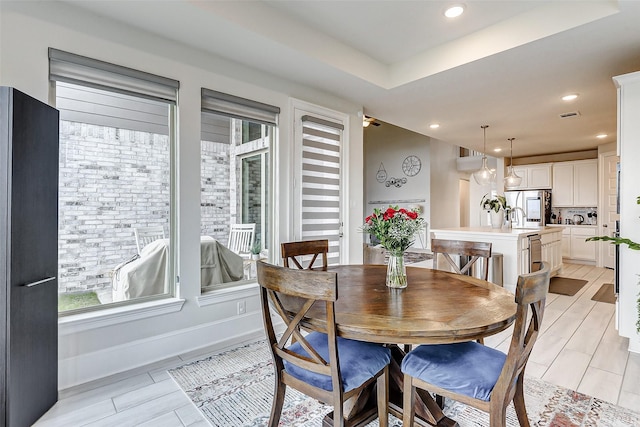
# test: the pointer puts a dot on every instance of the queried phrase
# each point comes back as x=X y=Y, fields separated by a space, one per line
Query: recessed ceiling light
x=570 y=97
x=454 y=11
x=602 y=135
x=497 y=150
x=434 y=125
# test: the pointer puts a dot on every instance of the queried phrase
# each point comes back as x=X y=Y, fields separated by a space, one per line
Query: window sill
x=113 y=316
x=228 y=294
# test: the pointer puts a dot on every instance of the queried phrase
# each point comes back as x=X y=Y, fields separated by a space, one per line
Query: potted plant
x=632 y=245
x=255 y=250
x=496 y=206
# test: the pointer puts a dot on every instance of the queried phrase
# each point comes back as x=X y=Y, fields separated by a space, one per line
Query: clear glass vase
x=396 y=270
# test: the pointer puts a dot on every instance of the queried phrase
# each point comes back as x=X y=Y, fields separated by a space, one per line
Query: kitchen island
x=513 y=244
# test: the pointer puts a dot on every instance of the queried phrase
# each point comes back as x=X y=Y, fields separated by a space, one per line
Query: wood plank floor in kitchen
x=579 y=348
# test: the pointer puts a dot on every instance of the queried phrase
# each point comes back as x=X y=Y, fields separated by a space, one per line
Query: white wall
x=445 y=191
x=27 y=29
x=390 y=145
x=628 y=134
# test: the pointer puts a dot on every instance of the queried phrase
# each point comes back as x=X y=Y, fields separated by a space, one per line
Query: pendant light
x=484 y=176
x=512 y=180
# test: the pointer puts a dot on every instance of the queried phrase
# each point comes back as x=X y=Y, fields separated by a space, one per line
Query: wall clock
x=411 y=165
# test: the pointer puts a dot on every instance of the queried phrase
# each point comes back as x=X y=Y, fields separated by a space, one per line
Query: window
x=237 y=136
x=116 y=183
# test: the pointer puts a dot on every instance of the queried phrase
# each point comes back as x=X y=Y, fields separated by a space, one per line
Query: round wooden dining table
x=436 y=307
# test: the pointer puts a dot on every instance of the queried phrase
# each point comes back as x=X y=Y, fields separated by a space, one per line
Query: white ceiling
x=502 y=63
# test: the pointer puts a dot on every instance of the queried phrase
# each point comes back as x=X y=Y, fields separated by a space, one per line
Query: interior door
x=608 y=214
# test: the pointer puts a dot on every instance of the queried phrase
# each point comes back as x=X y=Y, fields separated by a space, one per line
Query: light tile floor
x=579 y=348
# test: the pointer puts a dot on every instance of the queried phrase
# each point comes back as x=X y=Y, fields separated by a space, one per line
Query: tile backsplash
x=561 y=215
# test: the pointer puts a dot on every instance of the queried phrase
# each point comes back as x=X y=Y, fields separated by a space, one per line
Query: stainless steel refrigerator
x=529 y=208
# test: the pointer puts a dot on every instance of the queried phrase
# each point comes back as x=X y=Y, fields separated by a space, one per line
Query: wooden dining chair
x=294 y=252
x=472 y=250
x=480 y=376
x=321 y=364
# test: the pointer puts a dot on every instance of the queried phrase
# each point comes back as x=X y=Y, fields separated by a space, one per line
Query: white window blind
x=76 y=69
x=239 y=108
x=320 y=183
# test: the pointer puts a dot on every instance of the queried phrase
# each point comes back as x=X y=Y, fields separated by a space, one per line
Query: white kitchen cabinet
x=585 y=183
x=552 y=249
x=575 y=183
x=580 y=249
x=574 y=245
x=562 y=190
x=536 y=176
x=566 y=243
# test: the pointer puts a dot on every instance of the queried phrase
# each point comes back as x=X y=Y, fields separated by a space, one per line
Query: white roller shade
x=321 y=145
x=71 y=68
x=239 y=108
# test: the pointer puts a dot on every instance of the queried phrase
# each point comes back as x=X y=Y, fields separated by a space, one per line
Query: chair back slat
x=474 y=250
x=294 y=252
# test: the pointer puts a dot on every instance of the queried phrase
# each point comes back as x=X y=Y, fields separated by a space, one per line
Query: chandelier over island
x=484 y=175
x=512 y=180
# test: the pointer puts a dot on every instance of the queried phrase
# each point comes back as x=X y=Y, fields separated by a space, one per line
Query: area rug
x=605 y=294
x=565 y=285
x=235 y=389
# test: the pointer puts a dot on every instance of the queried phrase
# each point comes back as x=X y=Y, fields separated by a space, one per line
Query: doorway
x=608 y=212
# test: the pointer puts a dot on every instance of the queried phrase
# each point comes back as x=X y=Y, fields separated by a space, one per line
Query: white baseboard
x=221 y=334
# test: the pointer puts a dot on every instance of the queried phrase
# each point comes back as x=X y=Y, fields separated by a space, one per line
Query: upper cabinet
x=575 y=183
x=536 y=176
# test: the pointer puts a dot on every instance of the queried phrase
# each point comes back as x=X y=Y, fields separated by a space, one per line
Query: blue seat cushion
x=466 y=368
x=359 y=361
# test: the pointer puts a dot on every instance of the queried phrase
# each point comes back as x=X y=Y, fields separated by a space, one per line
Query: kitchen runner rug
x=235 y=389
x=605 y=294
x=565 y=286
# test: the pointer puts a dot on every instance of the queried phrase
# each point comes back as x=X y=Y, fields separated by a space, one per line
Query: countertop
x=574 y=225
x=506 y=232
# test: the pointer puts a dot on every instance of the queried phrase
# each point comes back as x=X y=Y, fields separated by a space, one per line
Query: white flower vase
x=497 y=218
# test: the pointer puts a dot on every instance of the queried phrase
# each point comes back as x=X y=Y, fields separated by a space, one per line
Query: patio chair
x=241 y=238
x=146 y=235
x=480 y=376
x=311 y=364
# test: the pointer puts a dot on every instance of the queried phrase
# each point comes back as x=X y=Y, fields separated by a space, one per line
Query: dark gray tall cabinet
x=28 y=258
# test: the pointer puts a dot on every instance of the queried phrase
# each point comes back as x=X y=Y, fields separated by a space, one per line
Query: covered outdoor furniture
x=147 y=274
x=320 y=364
x=146 y=235
x=480 y=376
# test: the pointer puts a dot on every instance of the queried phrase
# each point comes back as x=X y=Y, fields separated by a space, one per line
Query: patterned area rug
x=235 y=389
